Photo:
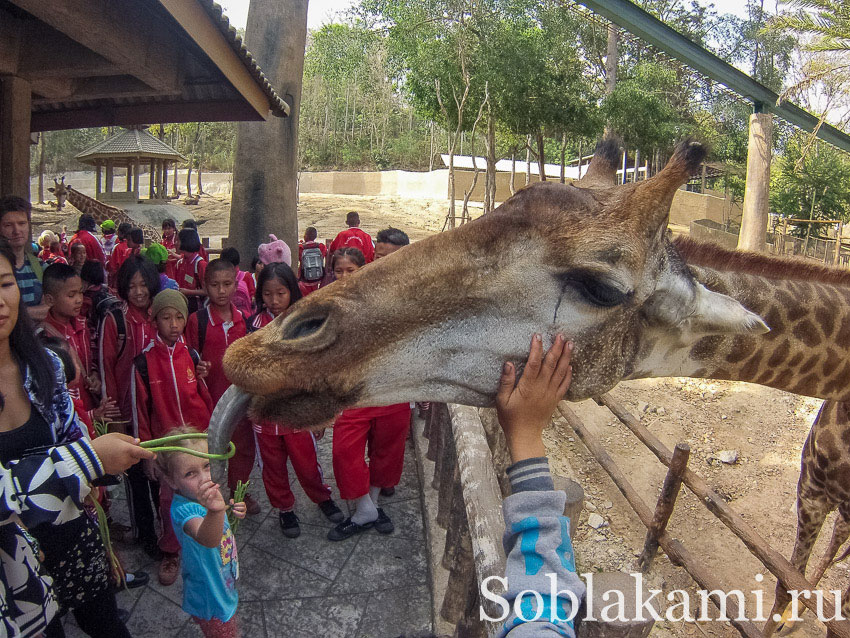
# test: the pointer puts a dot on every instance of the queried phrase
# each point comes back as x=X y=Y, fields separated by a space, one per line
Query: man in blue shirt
x=16 y=229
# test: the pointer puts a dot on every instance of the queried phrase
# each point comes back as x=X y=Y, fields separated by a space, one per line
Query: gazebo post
x=164 y=193
x=109 y=175
x=158 y=178
x=150 y=189
x=136 y=168
x=97 y=178
x=129 y=177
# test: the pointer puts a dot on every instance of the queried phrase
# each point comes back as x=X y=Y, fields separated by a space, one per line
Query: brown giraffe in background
x=101 y=212
x=824 y=483
x=590 y=260
x=60 y=190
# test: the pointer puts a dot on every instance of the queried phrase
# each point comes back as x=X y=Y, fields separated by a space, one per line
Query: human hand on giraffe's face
x=525 y=407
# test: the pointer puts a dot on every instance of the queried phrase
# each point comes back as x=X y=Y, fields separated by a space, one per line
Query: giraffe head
x=60 y=190
x=437 y=319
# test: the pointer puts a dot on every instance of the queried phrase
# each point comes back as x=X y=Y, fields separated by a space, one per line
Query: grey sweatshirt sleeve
x=537 y=543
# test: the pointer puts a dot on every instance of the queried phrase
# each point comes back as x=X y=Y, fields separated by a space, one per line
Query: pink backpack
x=241 y=299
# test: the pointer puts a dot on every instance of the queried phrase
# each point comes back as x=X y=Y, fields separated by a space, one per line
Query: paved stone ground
x=369 y=586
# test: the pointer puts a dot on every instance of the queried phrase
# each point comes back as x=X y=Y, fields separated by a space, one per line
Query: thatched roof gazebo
x=131 y=149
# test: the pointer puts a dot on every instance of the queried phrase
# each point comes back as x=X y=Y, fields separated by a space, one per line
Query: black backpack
x=141 y=363
x=204 y=321
x=104 y=305
x=312 y=262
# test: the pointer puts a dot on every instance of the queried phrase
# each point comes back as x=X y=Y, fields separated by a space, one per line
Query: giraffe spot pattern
x=806 y=332
x=780 y=354
x=825 y=319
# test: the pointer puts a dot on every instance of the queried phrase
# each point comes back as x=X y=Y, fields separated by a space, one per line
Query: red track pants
x=300 y=448
x=385 y=436
x=240 y=466
x=168 y=540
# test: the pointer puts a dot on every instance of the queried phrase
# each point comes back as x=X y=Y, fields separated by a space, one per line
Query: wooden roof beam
x=85 y=116
x=97 y=88
x=121 y=31
x=196 y=22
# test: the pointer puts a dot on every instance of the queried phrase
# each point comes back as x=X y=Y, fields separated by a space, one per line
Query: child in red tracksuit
x=190 y=268
x=168 y=390
x=277 y=289
x=382 y=429
x=123 y=332
x=63 y=293
x=210 y=331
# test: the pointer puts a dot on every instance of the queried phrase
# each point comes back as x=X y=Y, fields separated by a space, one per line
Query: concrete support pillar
x=109 y=171
x=136 y=169
x=266 y=165
x=152 y=177
x=15 y=108
x=98 y=186
x=756 y=194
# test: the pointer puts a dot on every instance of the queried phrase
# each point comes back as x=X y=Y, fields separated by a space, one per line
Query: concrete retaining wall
x=388 y=183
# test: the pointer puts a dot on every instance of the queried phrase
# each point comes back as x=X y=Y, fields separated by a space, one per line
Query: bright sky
x=321 y=11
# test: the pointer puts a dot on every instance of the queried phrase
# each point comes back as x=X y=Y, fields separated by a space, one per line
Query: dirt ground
x=418 y=217
x=765 y=427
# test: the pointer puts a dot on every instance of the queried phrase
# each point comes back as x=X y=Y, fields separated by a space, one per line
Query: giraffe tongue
x=229 y=411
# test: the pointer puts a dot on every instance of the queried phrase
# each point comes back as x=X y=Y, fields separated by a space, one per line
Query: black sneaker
x=383 y=524
x=289 y=525
x=387 y=491
x=132 y=580
x=331 y=511
x=347 y=529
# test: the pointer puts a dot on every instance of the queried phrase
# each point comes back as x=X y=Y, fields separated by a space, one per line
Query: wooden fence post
x=665 y=505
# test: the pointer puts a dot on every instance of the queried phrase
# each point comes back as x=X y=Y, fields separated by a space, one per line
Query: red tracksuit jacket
x=218 y=336
x=189 y=272
x=174 y=395
x=116 y=372
x=76 y=333
x=94 y=250
x=355 y=238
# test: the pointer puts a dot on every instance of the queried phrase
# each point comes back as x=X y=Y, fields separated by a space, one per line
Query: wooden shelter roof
x=129 y=144
x=122 y=62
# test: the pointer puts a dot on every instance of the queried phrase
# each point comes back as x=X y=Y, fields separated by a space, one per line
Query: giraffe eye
x=594 y=290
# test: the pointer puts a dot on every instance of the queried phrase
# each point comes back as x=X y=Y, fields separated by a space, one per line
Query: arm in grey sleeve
x=539 y=558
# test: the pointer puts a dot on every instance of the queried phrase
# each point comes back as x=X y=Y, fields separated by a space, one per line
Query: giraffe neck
x=807 y=350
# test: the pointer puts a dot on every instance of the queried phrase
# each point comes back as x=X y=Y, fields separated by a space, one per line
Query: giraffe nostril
x=303 y=328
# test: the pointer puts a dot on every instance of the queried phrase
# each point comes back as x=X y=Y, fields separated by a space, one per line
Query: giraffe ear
x=689 y=307
x=715 y=313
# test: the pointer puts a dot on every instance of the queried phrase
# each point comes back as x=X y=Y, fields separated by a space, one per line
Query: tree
x=813 y=185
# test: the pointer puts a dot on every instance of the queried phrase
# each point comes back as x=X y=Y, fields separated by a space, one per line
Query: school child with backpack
x=246 y=288
x=210 y=331
x=382 y=429
x=190 y=268
x=168 y=388
x=124 y=330
x=94 y=292
x=63 y=294
x=311 y=262
x=277 y=290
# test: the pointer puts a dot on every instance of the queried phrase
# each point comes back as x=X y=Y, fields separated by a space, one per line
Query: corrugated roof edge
x=279 y=106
